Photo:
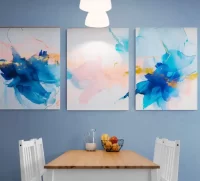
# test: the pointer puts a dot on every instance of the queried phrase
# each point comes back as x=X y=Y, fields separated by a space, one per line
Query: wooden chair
x=166 y=155
x=28 y=161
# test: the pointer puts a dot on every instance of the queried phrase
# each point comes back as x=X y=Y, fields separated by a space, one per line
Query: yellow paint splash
x=148 y=70
x=115 y=64
x=55 y=57
x=126 y=73
x=39 y=58
x=4 y=64
x=140 y=70
x=192 y=76
x=52 y=58
x=172 y=84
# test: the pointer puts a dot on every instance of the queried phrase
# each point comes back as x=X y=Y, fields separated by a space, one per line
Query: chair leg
x=154 y=175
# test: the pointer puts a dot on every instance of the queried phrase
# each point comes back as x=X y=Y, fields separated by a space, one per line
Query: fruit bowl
x=111 y=146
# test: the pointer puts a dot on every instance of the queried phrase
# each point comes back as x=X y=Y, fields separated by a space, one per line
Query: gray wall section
x=63 y=130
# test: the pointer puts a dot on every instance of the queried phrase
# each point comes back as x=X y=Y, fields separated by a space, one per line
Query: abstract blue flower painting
x=166 y=69
x=29 y=68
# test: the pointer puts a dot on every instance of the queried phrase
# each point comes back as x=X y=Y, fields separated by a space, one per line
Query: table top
x=100 y=159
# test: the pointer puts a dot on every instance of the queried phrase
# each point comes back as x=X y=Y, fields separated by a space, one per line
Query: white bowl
x=90 y=146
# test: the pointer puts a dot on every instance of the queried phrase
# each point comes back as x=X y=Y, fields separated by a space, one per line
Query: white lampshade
x=95 y=5
x=97 y=20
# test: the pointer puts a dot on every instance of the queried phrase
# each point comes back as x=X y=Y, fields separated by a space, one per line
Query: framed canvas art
x=166 y=69
x=97 y=69
x=30 y=68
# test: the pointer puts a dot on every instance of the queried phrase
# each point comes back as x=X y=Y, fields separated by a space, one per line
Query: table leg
x=48 y=175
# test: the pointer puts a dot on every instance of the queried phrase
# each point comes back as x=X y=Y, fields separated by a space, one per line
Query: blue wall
x=63 y=130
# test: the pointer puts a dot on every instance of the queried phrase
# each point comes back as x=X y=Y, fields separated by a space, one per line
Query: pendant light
x=97 y=16
x=95 y=5
x=97 y=19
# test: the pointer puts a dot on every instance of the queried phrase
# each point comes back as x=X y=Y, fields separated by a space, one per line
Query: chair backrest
x=171 y=160
x=158 y=155
x=28 y=161
x=167 y=156
x=40 y=156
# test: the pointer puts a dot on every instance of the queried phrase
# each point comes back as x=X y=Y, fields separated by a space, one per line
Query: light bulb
x=95 y=5
x=97 y=19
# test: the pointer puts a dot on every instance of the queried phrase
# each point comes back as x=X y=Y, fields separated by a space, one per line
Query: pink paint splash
x=27 y=46
x=93 y=78
x=5 y=51
x=92 y=73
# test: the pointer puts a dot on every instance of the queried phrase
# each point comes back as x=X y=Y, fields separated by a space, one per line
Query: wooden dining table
x=80 y=165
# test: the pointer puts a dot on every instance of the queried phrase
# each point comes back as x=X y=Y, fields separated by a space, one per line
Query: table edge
x=155 y=166
x=102 y=167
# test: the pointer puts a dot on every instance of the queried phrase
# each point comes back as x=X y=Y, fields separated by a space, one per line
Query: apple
x=114 y=139
x=104 y=138
x=115 y=147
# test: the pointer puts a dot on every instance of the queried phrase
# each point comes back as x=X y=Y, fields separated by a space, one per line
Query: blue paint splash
x=122 y=43
x=29 y=77
x=157 y=88
x=125 y=96
x=171 y=68
x=122 y=46
x=69 y=74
